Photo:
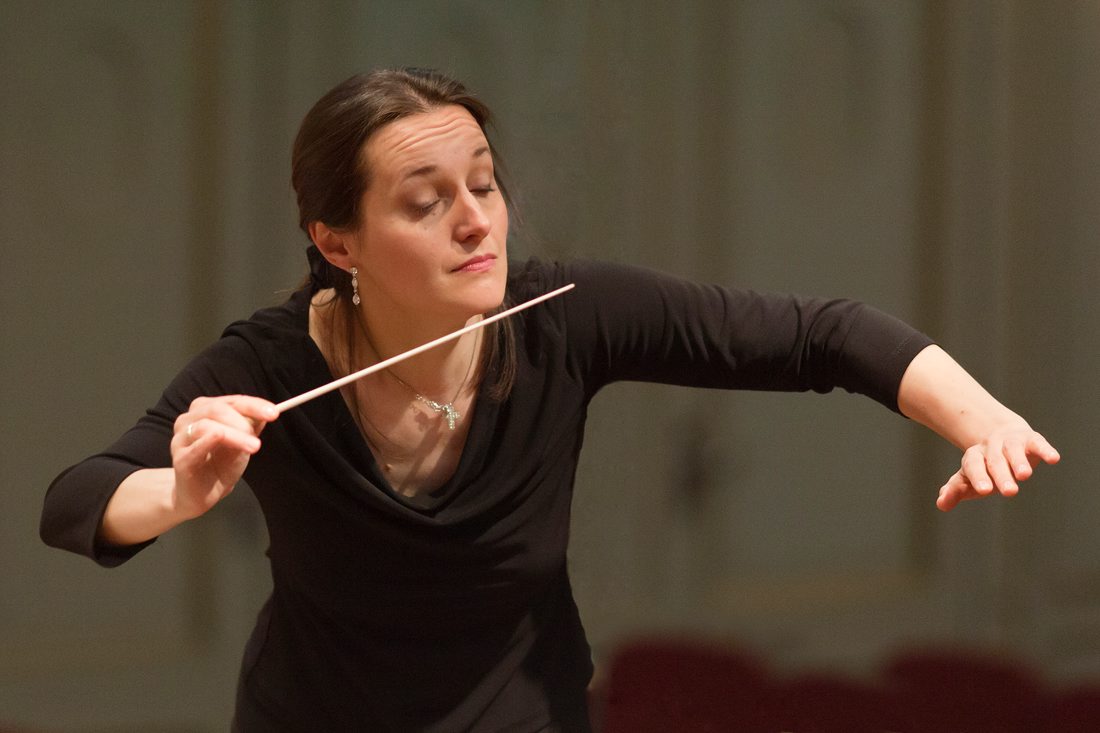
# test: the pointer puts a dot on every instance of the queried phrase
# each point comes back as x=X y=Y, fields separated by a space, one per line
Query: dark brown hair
x=330 y=175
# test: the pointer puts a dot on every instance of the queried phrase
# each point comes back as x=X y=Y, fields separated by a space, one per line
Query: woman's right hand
x=211 y=446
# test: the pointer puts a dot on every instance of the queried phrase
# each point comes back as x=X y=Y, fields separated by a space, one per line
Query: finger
x=975 y=470
x=946 y=501
x=223 y=411
x=185 y=432
x=194 y=456
x=207 y=434
x=956 y=490
x=256 y=409
x=997 y=467
x=1015 y=454
x=1037 y=445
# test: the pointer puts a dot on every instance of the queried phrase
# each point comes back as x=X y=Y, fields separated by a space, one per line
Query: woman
x=418 y=519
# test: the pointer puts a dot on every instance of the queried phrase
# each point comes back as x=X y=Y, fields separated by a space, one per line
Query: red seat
x=1075 y=710
x=826 y=703
x=684 y=686
x=958 y=690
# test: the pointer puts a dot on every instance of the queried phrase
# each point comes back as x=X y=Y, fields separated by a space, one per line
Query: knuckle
x=972 y=460
x=974 y=452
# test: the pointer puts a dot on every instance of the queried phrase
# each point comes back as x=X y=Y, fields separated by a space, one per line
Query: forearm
x=939 y=394
x=999 y=448
x=143 y=507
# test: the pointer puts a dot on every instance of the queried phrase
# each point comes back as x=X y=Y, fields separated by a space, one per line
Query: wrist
x=141 y=508
x=179 y=505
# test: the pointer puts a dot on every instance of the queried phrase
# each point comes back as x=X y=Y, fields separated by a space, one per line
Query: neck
x=438 y=374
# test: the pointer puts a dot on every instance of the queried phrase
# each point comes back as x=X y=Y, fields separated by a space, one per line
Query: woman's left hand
x=1005 y=457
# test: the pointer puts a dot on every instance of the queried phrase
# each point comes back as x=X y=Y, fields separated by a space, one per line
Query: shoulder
x=609 y=299
x=271 y=334
x=610 y=288
x=597 y=280
x=287 y=320
x=272 y=340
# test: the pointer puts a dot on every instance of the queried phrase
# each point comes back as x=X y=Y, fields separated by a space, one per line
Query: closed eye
x=425 y=209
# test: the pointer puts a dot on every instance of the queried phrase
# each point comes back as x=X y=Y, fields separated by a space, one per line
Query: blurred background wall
x=937 y=158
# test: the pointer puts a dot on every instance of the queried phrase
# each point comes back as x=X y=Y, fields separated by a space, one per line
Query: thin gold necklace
x=398 y=452
x=446 y=408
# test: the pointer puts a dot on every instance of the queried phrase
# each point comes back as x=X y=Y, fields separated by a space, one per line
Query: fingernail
x=271 y=413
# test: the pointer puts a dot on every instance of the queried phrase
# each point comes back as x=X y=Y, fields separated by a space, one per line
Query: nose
x=472 y=224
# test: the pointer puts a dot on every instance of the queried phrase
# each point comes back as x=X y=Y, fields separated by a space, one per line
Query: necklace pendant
x=447 y=408
x=452 y=415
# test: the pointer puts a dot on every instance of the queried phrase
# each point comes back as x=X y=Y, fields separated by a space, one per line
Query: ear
x=332 y=243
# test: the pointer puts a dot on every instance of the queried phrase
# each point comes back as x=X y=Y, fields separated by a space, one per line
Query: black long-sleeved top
x=456 y=613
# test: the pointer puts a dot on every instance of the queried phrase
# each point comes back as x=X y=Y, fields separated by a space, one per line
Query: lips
x=480 y=263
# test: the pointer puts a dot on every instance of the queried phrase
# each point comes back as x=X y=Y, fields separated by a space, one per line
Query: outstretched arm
x=999 y=448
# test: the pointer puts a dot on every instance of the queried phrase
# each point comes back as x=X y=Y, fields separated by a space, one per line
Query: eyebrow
x=425 y=170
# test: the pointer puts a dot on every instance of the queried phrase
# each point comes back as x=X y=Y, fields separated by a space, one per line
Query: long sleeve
x=77 y=498
x=628 y=323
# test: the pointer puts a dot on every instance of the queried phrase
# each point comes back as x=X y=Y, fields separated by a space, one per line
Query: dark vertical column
x=202 y=285
x=932 y=236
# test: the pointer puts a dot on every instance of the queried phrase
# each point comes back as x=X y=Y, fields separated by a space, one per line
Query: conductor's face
x=433 y=223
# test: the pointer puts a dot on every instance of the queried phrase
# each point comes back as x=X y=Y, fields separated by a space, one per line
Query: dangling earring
x=355 y=285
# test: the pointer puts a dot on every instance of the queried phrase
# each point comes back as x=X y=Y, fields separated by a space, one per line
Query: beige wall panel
x=97 y=238
x=937 y=159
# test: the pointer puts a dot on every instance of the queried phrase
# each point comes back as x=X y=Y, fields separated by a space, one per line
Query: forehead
x=438 y=137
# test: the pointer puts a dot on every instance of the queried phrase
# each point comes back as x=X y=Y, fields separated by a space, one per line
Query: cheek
x=394 y=255
x=405 y=240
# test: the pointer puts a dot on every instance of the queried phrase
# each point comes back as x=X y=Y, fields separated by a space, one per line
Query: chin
x=474 y=301
x=487 y=294
x=490 y=301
